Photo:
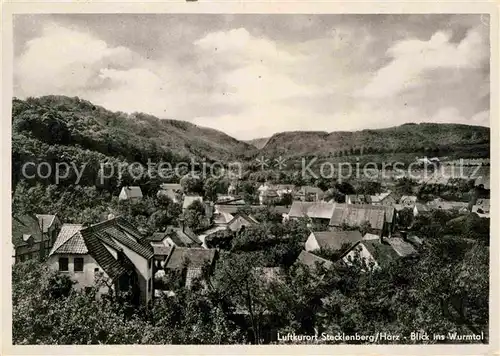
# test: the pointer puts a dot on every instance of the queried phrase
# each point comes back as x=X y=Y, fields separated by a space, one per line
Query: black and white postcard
x=299 y=178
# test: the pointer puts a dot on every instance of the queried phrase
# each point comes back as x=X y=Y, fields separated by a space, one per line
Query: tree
x=365 y=227
x=211 y=187
x=194 y=215
x=191 y=184
x=405 y=217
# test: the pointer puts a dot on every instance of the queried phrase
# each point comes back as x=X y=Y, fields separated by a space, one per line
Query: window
x=63 y=264
x=78 y=264
x=150 y=284
x=28 y=256
x=150 y=263
x=96 y=269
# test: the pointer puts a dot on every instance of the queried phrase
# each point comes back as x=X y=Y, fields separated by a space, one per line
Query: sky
x=253 y=75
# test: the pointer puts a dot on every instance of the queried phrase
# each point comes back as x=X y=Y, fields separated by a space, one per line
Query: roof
x=186 y=236
x=241 y=219
x=307 y=189
x=360 y=199
x=158 y=236
x=369 y=236
x=192 y=274
x=354 y=215
x=408 y=198
x=337 y=239
x=190 y=199
x=233 y=209
x=161 y=250
x=168 y=193
x=318 y=210
x=311 y=260
x=171 y=186
x=222 y=217
x=68 y=232
x=380 y=197
x=194 y=257
x=382 y=252
x=102 y=256
x=132 y=192
x=447 y=205
x=415 y=240
x=422 y=207
x=25 y=226
x=122 y=236
x=402 y=247
x=45 y=221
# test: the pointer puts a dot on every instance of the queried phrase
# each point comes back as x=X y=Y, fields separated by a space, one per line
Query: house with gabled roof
x=374 y=253
x=28 y=240
x=387 y=198
x=381 y=218
x=333 y=240
x=50 y=226
x=309 y=193
x=130 y=193
x=188 y=261
x=316 y=211
x=112 y=250
x=240 y=220
x=312 y=261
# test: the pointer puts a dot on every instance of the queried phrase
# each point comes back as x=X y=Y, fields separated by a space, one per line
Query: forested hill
x=60 y=120
x=425 y=138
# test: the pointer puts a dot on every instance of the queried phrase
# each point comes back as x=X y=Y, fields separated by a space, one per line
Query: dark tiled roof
x=158 y=236
x=186 y=236
x=68 y=231
x=24 y=226
x=354 y=215
x=133 y=244
x=318 y=210
x=102 y=256
x=74 y=245
x=161 y=250
x=310 y=260
x=194 y=257
x=337 y=239
x=382 y=252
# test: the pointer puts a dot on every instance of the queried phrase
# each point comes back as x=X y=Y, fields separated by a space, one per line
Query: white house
x=111 y=250
x=130 y=193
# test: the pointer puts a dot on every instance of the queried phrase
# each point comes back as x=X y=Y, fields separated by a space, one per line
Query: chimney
x=181 y=224
x=209 y=209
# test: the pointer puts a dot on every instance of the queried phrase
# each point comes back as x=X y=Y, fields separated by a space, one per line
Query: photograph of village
x=250 y=179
